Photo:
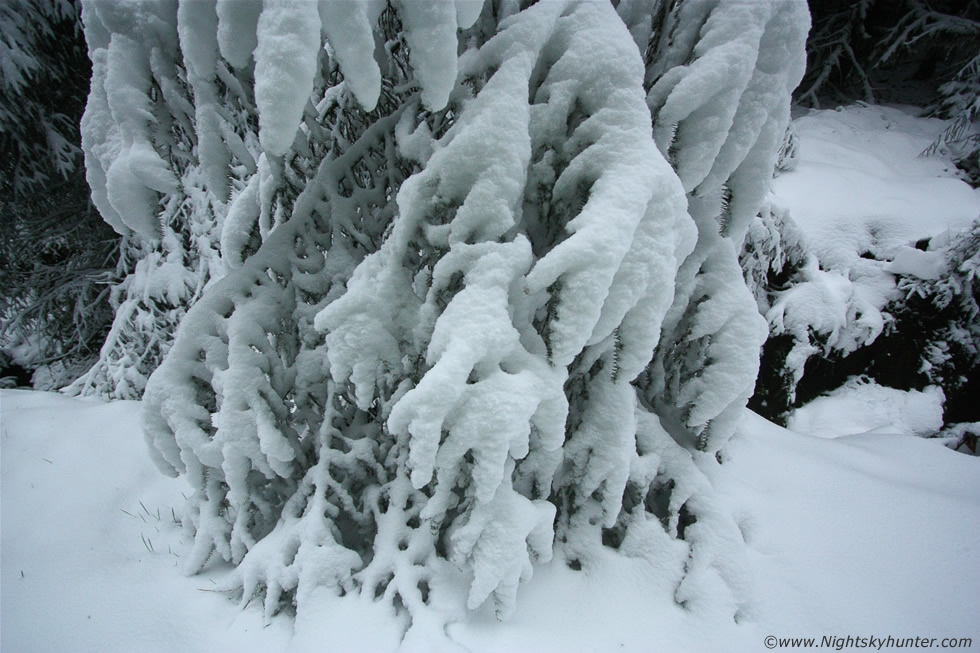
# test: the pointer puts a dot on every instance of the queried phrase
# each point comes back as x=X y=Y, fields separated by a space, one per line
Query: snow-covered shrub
x=825 y=311
x=492 y=323
x=788 y=151
x=960 y=101
x=941 y=310
x=58 y=264
x=816 y=310
x=931 y=338
x=909 y=323
x=773 y=258
x=773 y=254
x=963 y=437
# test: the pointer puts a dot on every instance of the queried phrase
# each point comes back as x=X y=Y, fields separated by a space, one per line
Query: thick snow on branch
x=285 y=63
x=197 y=25
x=237 y=29
x=458 y=267
x=720 y=114
x=720 y=99
x=430 y=29
x=123 y=167
x=632 y=229
x=349 y=27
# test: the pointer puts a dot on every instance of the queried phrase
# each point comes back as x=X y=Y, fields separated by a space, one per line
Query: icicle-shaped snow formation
x=197 y=25
x=133 y=46
x=721 y=84
x=288 y=39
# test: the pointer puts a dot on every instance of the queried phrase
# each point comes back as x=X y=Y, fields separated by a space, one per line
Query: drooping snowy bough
x=498 y=315
x=720 y=100
x=175 y=164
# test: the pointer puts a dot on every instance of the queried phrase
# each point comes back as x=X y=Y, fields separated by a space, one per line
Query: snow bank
x=865 y=407
x=861 y=186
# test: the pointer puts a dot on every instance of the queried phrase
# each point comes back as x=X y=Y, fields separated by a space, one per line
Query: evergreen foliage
x=57 y=257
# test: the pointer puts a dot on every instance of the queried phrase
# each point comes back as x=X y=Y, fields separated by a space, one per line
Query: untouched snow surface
x=860 y=184
x=861 y=406
x=869 y=535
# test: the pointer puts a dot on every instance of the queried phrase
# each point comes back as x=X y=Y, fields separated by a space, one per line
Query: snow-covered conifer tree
x=493 y=324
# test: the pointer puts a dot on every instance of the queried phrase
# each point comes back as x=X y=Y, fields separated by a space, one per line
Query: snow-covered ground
x=856 y=526
x=861 y=186
x=861 y=406
x=869 y=535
